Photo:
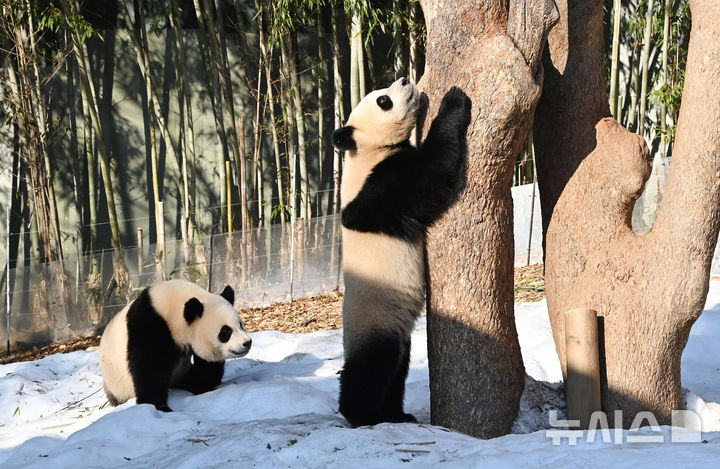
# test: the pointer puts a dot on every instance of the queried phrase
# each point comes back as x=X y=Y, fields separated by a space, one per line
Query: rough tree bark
x=490 y=49
x=648 y=289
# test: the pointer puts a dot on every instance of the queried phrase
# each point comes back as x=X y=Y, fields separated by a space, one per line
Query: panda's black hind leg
x=392 y=410
x=367 y=377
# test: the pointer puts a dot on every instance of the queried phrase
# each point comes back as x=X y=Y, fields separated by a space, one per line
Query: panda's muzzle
x=244 y=350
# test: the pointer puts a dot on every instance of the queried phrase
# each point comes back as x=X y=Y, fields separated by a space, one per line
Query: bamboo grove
x=220 y=111
x=299 y=89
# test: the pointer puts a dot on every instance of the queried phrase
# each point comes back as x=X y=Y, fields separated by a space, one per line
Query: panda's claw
x=163 y=408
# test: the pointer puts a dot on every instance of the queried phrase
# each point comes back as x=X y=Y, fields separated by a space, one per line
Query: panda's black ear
x=193 y=310
x=229 y=294
x=342 y=138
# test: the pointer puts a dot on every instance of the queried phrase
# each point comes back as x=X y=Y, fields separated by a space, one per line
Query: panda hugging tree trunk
x=391 y=193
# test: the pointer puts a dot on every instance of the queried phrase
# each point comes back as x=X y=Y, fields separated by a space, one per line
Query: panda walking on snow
x=391 y=192
x=175 y=334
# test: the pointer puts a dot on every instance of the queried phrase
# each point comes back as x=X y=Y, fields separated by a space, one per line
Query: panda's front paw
x=458 y=104
x=163 y=408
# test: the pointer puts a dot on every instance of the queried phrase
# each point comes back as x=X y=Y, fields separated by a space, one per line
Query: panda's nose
x=247 y=343
x=404 y=81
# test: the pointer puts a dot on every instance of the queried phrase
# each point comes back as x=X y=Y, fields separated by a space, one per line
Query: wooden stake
x=161 y=238
x=140 y=250
x=582 y=386
x=229 y=196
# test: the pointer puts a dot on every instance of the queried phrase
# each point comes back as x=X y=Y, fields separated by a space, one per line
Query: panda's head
x=383 y=118
x=216 y=331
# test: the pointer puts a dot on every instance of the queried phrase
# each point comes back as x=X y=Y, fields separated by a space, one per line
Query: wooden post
x=582 y=385
x=140 y=250
x=229 y=196
x=7 y=277
x=161 y=237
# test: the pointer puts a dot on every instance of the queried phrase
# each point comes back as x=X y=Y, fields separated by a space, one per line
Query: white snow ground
x=278 y=408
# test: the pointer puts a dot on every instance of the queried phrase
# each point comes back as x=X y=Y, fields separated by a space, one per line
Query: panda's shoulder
x=141 y=310
x=395 y=167
x=146 y=326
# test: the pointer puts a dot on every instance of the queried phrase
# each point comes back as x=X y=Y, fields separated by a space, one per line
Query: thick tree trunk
x=476 y=370
x=650 y=289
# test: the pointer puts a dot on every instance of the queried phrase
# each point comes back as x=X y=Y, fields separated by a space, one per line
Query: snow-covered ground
x=278 y=408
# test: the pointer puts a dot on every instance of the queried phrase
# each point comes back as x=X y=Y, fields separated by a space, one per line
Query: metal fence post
x=7 y=277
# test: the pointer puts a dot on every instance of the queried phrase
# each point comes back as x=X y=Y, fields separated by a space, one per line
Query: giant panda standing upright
x=391 y=192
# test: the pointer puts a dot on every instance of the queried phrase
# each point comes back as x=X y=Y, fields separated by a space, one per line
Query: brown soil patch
x=303 y=315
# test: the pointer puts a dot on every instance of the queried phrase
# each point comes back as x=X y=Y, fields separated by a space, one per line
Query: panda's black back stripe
x=152 y=352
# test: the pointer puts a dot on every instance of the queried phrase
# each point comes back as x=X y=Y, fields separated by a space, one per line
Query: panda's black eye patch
x=225 y=334
x=385 y=102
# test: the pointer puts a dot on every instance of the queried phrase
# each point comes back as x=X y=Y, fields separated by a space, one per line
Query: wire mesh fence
x=58 y=301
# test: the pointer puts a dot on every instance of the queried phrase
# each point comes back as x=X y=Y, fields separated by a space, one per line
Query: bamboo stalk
x=207 y=53
x=257 y=173
x=617 y=9
x=297 y=107
x=189 y=126
x=360 y=58
x=267 y=59
x=354 y=61
x=339 y=113
x=41 y=113
x=142 y=57
x=413 y=65
x=320 y=108
x=90 y=96
x=242 y=183
x=228 y=183
x=644 y=60
x=663 y=109
x=217 y=36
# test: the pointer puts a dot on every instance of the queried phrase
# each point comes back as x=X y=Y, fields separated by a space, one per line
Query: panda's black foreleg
x=366 y=378
x=203 y=376
x=443 y=157
x=151 y=386
x=395 y=396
